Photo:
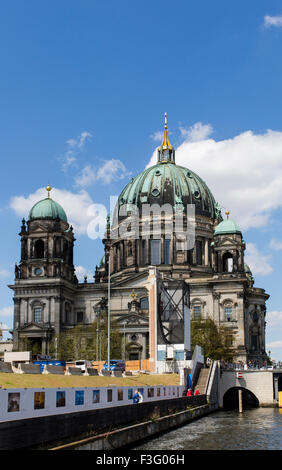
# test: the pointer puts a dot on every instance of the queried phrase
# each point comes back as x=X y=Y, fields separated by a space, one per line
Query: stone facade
x=48 y=298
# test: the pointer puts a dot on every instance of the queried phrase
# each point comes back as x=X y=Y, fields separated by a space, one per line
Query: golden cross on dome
x=48 y=189
x=133 y=295
x=166 y=144
x=165 y=120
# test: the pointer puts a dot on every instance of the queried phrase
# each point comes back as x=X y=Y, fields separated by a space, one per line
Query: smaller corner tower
x=44 y=279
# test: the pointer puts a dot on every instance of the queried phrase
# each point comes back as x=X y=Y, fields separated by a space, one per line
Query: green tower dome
x=247 y=268
x=227 y=226
x=47 y=209
x=168 y=183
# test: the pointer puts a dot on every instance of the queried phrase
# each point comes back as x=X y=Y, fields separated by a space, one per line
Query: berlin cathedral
x=49 y=300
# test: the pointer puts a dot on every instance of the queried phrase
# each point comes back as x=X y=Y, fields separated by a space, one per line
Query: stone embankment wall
x=138 y=432
x=260 y=383
x=30 y=433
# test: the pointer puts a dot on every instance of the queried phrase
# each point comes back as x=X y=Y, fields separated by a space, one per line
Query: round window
x=38 y=271
x=197 y=194
x=156 y=192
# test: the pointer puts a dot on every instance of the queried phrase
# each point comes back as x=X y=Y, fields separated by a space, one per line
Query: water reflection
x=254 y=429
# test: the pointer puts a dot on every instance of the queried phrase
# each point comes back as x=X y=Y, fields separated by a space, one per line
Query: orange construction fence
x=143 y=364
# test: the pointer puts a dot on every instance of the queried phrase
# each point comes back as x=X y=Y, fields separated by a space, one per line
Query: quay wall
x=31 y=418
x=139 y=432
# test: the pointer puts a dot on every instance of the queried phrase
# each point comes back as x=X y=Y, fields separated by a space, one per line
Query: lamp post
x=109 y=307
x=97 y=313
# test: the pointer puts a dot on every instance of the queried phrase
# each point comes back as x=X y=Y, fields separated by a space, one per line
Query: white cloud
x=274 y=319
x=259 y=263
x=81 y=272
x=244 y=173
x=197 y=132
x=272 y=21
x=86 y=177
x=76 y=206
x=80 y=140
x=275 y=244
x=274 y=345
x=73 y=147
x=111 y=170
x=157 y=136
x=6 y=312
x=4 y=273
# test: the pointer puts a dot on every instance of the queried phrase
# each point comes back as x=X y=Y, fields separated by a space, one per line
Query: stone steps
x=202 y=381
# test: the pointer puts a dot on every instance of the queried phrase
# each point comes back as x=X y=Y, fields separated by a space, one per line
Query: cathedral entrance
x=36 y=346
x=134 y=351
x=31 y=344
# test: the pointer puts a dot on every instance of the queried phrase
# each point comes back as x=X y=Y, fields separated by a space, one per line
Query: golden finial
x=165 y=120
x=133 y=295
x=227 y=213
x=48 y=189
x=166 y=144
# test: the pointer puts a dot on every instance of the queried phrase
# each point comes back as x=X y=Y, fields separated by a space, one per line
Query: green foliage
x=81 y=341
x=215 y=341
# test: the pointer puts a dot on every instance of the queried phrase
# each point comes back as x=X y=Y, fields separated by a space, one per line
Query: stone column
x=206 y=252
x=17 y=305
x=43 y=346
x=151 y=286
x=216 y=309
x=57 y=319
x=162 y=250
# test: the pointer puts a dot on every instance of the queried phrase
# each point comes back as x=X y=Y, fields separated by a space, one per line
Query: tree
x=216 y=342
x=81 y=341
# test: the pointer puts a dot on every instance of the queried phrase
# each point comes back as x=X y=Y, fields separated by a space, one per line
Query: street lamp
x=99 y=309
x=97 y=313
x=109 y=307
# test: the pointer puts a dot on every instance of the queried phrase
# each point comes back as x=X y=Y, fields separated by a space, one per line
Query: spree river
x=254 y=429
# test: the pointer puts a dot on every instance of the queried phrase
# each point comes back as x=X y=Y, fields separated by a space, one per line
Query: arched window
x=155 y=246
x=129 y=249
x=67 y=313
x=167 y=251
x=144 y=303
x=228 y=312
x=199 y=252
x=227 y=263
x=39 y=249
x=143 y=252
x=37 y=314
x=197 y=310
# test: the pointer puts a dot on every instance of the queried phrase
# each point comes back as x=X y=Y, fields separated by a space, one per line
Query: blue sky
x=84 y=87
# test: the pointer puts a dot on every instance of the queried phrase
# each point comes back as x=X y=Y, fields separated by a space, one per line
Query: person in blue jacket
x=137 y=397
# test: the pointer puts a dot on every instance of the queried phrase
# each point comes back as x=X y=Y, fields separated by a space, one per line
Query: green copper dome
x=47 y=209
x=168 y=183
x=227 y=226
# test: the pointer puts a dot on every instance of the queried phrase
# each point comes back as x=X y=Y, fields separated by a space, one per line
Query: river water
x=254 y=429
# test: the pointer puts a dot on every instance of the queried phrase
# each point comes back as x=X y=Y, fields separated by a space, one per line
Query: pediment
x=227 y=241
x=133 y=281
x=32 y=327
x=132 y=319
x=38 y=228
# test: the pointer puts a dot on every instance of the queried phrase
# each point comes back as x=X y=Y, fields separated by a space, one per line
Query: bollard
x=240 y=401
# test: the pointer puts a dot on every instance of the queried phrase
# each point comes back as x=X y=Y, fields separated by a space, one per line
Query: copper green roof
x=247 y=268
x=227 y=226
x=47 y=209
x=168 y=183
